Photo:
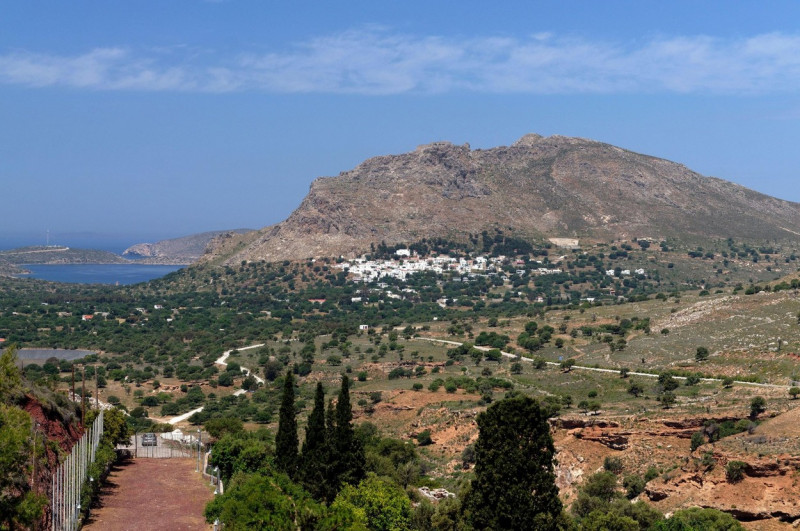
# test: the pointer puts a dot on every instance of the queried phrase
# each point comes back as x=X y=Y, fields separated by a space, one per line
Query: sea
x=115 y=274
x=121 y=274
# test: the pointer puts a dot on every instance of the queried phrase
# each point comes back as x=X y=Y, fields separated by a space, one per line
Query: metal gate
x=166 y=445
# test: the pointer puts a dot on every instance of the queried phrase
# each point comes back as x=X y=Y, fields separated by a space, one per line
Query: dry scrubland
x=741 y=332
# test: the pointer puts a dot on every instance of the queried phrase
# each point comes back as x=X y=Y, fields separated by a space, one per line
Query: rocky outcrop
x=178 y=251
x=538 y=187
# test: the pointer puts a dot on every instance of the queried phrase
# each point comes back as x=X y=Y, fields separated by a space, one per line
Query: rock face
x=537 y=187
x=184 y=250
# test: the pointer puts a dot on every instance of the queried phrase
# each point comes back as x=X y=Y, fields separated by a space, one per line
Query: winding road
x=222 y=360
x=598 y=369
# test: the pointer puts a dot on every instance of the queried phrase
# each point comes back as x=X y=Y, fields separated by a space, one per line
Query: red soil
x=152 y=494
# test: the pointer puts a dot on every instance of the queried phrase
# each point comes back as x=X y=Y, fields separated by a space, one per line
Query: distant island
x=59 y=254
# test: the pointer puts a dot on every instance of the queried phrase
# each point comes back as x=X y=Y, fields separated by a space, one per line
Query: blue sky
x=146 y=120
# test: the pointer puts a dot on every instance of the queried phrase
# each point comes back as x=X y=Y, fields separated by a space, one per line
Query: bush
x=150 y=401
x=424 y=438
x=613 y=464
x=734 y=471
x=757 y=406
x=417 y=386
x=697 y=440
x=225 y=379
x=634 y=485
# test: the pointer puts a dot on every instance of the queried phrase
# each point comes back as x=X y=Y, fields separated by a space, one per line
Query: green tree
x=385 y=505
x=286 y=441
x=667 y=399
x=698 y=440
x=514 y=485
x=701 y=354
x=599 y=520
x=634 y=485
x=220 y=426
x=264 y=501
x=635 y=389
x=312 y=465
x=793 y=392
x=10 y=379
x=757 y=406
x=19 y=506
x=349 y=453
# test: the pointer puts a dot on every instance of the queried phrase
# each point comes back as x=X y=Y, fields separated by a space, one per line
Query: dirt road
x=152 y=494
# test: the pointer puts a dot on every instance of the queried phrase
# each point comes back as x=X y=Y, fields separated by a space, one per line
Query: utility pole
x=73 y=381
x=96 y=390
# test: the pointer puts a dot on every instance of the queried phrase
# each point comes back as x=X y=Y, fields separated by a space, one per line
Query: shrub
x=734 y=471
x=757 y=406
x=613 y=464
x=697 y=440
x=634 y=485
x=424 y=438
x=417 y=386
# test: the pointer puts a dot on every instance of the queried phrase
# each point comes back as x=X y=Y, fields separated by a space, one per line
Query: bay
x=122 y=274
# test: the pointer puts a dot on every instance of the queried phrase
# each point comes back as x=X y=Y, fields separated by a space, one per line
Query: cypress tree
x=286 y=439
x=514 y=486
x=313 y=463
x=330 y=476
x=315 y=431
x=350 y=453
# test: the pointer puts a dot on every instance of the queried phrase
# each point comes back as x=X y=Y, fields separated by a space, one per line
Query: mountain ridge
x=538 y=187
x=176 y=251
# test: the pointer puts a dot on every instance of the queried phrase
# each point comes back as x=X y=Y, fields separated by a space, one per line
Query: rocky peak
x=539 y=187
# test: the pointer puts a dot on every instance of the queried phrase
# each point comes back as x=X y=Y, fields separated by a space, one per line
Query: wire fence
x=70 y=476
x=166 y=445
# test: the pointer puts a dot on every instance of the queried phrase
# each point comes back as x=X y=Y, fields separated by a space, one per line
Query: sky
x=125 y=121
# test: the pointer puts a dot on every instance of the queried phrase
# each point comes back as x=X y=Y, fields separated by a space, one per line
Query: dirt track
x=152 y=494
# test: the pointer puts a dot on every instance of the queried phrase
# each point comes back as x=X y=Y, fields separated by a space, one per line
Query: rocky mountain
x=538 y=187
x=179 y=251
